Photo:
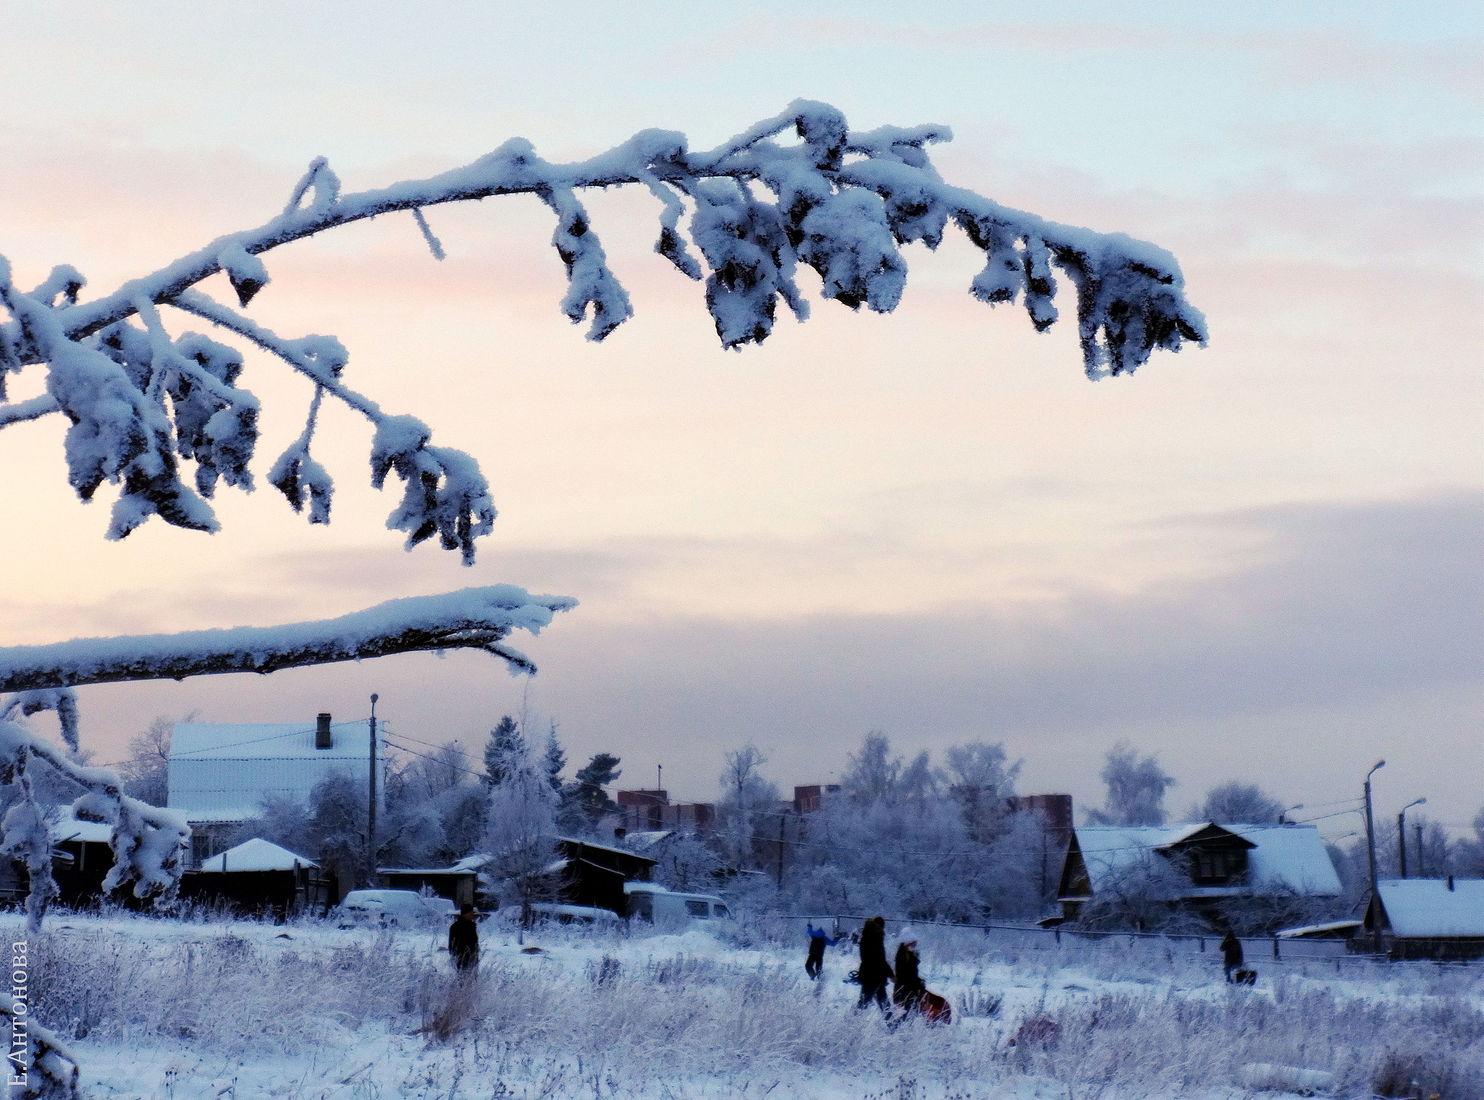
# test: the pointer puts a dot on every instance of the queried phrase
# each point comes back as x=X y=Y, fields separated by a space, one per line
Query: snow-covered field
x=180 y=1010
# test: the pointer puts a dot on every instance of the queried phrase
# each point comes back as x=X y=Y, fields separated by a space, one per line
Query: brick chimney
x=323 y=739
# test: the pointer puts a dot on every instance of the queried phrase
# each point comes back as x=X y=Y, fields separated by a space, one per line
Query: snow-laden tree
x=166 y=416
x=1136 y=789
x=748 y=806
x=1235 y=801
x=980 y=779
x=553 y=759
x=505 y=742
x=520 y=835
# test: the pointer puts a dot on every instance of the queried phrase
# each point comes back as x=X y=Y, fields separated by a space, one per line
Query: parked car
x=392 y=909
x=554 y=912
x=658 y=905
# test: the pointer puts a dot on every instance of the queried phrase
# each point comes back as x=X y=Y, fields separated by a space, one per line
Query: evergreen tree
x=505 y=743
x=555 y=760
x=586 y=794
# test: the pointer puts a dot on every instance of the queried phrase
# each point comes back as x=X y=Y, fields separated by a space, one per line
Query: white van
x=653 y=903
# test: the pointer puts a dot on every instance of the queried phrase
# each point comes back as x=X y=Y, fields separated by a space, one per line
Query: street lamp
x=1370 y=833
x=1401 y=834
x=1283 y=815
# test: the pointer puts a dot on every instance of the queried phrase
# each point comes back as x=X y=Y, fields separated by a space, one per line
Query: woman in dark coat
x=873 y=972
x=1231 y=955
x=909 y=988
x=463 y=941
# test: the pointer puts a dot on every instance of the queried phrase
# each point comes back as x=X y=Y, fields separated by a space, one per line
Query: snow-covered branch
x=798 y=188
x=474 y=618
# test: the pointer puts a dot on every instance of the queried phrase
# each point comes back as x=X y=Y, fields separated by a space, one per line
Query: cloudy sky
x=1260 y=561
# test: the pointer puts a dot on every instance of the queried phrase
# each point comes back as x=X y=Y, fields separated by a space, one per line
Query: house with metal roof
x=1196 y=866
x=1428 y=918
x=220 y=774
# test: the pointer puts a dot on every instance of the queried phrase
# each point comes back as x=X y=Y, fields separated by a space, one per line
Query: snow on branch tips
x=798 y=189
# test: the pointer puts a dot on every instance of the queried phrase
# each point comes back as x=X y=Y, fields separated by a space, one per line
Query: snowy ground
x=181 y=1010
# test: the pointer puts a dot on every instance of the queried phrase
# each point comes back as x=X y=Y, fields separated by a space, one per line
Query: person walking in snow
x=463 y=941
x=1231 y=955
x=908 y=987
x=818 y=941
x=873 y=972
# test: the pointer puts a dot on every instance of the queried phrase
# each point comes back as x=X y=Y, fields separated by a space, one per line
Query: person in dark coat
x=463 y=941
x=873 y=972
x=818 y=941
x=1231 y=955
x=908 y=986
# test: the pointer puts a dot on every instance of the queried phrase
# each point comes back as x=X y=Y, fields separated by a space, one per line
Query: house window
x=200 y=846
x=1217 y=868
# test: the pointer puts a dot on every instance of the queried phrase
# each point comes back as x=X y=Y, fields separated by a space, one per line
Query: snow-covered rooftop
x=224 y=771
x=1283 y=857
x=70 y=827
x=1427 y=907
x=256 y=855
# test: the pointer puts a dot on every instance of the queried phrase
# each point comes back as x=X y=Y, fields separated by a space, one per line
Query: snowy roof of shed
x=1424 y=907
x=1283 y=857
x=224 y=771
x=256 y=854
x=467 y=866
x=70 y=827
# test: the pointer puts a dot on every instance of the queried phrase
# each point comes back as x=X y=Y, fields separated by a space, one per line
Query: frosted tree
x=1238 y=802
x=521 y=826
x=165 y=416
x=146 y=773
x=1136 y=789
x=554 y=759
x=982 y=781
x=505 y=742
x=748 y=804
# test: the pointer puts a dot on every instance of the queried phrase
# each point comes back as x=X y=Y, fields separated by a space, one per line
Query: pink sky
x=1259 y=561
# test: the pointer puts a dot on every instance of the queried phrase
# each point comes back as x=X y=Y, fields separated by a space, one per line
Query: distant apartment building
x=643 y=811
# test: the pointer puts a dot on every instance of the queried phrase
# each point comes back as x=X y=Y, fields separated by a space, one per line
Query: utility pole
x=371 y=804
x=781 y=820
x=1421 y=860
x=1401 y=836
x=1370 y=843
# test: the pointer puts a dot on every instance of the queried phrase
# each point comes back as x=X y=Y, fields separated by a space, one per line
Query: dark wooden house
x=259 y=879
x=593 y=874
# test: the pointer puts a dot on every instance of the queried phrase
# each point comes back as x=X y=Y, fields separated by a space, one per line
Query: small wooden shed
x=259 y=878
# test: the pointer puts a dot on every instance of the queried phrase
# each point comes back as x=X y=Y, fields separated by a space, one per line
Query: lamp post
x=1370 y=838
x=1401 y=834
x=1283 y=816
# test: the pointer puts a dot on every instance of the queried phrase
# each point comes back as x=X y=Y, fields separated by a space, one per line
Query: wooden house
x=1196 y=866
x=593 y=875
x=1426 y=918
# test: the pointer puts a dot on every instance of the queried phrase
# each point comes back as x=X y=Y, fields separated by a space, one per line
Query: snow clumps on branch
x=798 y=188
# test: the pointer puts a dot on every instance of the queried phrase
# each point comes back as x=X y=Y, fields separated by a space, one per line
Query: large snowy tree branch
x=474 y=618
x=798 y=188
